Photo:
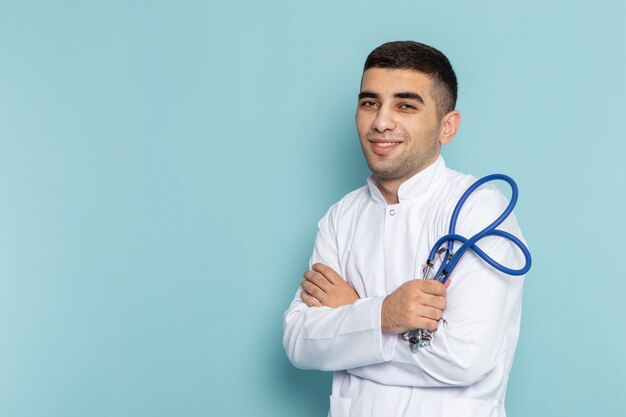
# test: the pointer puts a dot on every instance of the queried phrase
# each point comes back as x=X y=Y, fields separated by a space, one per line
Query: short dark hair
x=422 y=58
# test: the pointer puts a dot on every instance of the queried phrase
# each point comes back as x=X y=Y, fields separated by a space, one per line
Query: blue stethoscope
x=422 y=337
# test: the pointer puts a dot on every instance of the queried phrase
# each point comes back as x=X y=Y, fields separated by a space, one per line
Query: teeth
x=385 y=144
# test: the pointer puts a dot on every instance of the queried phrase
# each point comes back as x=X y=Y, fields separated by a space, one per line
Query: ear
x=449 y=126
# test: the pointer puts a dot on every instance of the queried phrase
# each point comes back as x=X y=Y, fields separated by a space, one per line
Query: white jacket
x=377 y=247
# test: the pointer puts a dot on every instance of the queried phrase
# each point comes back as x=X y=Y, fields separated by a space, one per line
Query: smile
x=383 y=148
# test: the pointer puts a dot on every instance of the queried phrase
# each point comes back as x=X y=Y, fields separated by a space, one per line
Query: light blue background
x=163 y=165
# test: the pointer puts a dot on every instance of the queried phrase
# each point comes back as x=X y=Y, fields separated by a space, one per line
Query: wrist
x=386 y=325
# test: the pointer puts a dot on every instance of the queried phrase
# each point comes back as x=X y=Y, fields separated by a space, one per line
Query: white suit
x=376 y=247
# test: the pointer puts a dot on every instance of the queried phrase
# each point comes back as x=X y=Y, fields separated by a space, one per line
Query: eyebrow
x=410 y=95
x=403 y=94
x=368 y=94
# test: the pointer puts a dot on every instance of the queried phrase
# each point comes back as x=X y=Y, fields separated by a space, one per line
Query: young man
x=362 y=294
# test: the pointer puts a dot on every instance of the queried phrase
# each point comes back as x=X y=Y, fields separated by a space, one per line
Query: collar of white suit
x=414 y=187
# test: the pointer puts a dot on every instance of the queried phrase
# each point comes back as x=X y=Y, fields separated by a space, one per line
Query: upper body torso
x=377 y=247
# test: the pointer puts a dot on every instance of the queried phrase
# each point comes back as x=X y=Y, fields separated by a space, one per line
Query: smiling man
x=364 y=287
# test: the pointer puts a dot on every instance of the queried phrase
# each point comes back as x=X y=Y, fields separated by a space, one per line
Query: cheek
x=362 y=121
x=420 y=131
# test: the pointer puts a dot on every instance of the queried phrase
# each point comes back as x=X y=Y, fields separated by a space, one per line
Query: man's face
x=397 y=122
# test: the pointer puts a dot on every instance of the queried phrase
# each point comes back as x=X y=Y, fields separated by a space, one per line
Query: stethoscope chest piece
x=418 y=338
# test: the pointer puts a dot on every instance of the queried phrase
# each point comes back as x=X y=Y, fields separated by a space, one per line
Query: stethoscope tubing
x=452 y=258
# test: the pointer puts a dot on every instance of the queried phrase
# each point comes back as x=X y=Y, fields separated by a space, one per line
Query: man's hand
x=324 y=287
x=416 y=304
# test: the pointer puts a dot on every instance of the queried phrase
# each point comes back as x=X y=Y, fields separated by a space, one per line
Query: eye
x=368 y=104
x=406 y=106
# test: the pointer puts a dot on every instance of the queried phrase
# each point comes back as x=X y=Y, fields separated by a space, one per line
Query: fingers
x=433 y=287
x=319 y=284
x=435 y=301
x=312 y=289
x=398 y=317
x=430 y=325
x=318 y=279
x=415 y=304
x=424 y=317
x=431 y=293
x=309 y=300
x=330 y=274
x=430 y=313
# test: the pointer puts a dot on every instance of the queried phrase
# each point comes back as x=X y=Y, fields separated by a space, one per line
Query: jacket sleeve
x=333 y=339
x=480 y=326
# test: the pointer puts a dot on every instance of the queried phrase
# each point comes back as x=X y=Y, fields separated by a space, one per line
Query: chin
x=385 y=174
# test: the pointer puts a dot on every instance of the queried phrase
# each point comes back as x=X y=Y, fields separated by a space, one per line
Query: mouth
x=383 y=148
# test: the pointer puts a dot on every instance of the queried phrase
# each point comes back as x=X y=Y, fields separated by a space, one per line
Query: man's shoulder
x=446 y=188
x=482 y=206
x=460 y=182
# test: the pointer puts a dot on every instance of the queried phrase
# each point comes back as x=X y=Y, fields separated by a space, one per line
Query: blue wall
x=163 y=166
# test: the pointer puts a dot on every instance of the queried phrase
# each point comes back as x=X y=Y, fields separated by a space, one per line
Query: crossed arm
x=416 y=304
x=328 y=327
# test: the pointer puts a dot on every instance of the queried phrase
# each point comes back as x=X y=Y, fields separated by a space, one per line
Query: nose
x=384 y=121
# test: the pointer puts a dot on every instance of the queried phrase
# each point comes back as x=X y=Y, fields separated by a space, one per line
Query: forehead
x=387 y=81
